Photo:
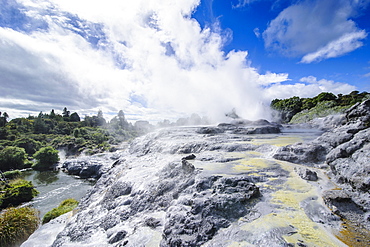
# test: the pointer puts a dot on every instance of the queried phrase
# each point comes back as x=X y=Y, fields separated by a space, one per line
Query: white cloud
x=345 y=44
x=315 y=30
x=257 y=32
x=309 y=87
x=148 y=58
x=271 y=78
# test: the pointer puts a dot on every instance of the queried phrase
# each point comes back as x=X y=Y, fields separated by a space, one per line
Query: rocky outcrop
x=307 y=174
x=346 y=149
x=189 y=187
x=194 y=208
x=90 y=166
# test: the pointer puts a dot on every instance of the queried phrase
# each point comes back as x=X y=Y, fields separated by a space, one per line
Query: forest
x=23 y=140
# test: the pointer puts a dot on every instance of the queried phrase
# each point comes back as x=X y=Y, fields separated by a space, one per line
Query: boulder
x=307 y=174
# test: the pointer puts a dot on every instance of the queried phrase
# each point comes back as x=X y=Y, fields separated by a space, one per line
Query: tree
x=3 y=119
x=52 y=114
x=65 y=114
x=5 y=115
x=100 y=118
x=12 y=158
x=74 y=117
x=46 y=157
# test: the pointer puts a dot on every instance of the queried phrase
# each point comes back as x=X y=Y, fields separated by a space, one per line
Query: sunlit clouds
x=149 y=58
x=316 y=30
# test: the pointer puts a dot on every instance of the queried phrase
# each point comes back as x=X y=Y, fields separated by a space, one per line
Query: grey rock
x=307 y=174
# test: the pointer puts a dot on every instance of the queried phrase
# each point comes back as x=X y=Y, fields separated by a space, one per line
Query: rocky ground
x=346 y=150
x=224 y=185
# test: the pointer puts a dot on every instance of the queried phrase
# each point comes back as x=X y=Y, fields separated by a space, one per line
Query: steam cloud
x=148 y=58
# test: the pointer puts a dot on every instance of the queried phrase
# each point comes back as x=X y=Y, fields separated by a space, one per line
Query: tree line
x=21 y=138
x=287 y=108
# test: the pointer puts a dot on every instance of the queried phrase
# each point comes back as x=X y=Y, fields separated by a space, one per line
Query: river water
x=54 y=187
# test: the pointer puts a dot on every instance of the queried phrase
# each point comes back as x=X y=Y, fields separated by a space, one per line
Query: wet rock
x=189 y=157
x=302 y=153
x=187 y=166
x=210 y=130
x=307 y=174
x=217 y=203
x=90 y=167
x=118 y=237
x=152 y=222
x=342 y=204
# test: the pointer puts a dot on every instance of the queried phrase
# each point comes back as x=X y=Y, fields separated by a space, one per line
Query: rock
x=187 y=166
x=217 y=202
x=210 y=130
x=189 y=157
x=307 y=174
x=302 y=153
x=346 y=149
x=91 y=166
x=342 y=204
x=118 y=237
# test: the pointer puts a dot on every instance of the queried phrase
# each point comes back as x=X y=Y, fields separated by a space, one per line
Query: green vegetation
x=22 y=138
x=298 y=110
x=17 y=224
x=66 y=206
x=16 y=192
x=12 y=158
x=12 y=174
x=46 y=157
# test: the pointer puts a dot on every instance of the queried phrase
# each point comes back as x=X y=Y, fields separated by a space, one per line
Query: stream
x=54 y=187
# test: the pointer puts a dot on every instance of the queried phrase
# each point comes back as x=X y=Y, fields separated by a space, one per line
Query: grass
x=17 y=224
x=16 y=192
x=66 y=206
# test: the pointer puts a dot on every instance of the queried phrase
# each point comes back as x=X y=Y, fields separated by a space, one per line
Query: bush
x=12 y=174
x=29 y=145
x=17 y=224
x=66 y=206
x=12 y=158
x=46 y=157
x=17 y=192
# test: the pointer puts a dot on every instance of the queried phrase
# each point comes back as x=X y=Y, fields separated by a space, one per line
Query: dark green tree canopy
x=12 y=158
x=46 y=157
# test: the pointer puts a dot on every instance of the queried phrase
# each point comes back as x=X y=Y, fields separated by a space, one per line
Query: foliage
x=16 y=192
x=322 y=109
x=12 y=174
x=46 y=157
x=66 y=206
x=29 y=145
x=12 y=158
x=288 y=108
x=62 y=131
x=17 y=224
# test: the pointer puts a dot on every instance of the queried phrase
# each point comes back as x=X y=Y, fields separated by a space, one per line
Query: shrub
x=12 y=174
x=17 y=224
x=17 y=192
x=46 y=157
x=66 y=206
x=12 y=158
x=29 y=145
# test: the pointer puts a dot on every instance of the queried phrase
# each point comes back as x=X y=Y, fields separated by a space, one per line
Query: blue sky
x=247 y=20
x=164 y=59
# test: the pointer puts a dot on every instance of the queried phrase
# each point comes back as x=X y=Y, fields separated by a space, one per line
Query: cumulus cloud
x=345 y=44
x=148 y=58
x=315 y=29
x=308 y=87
